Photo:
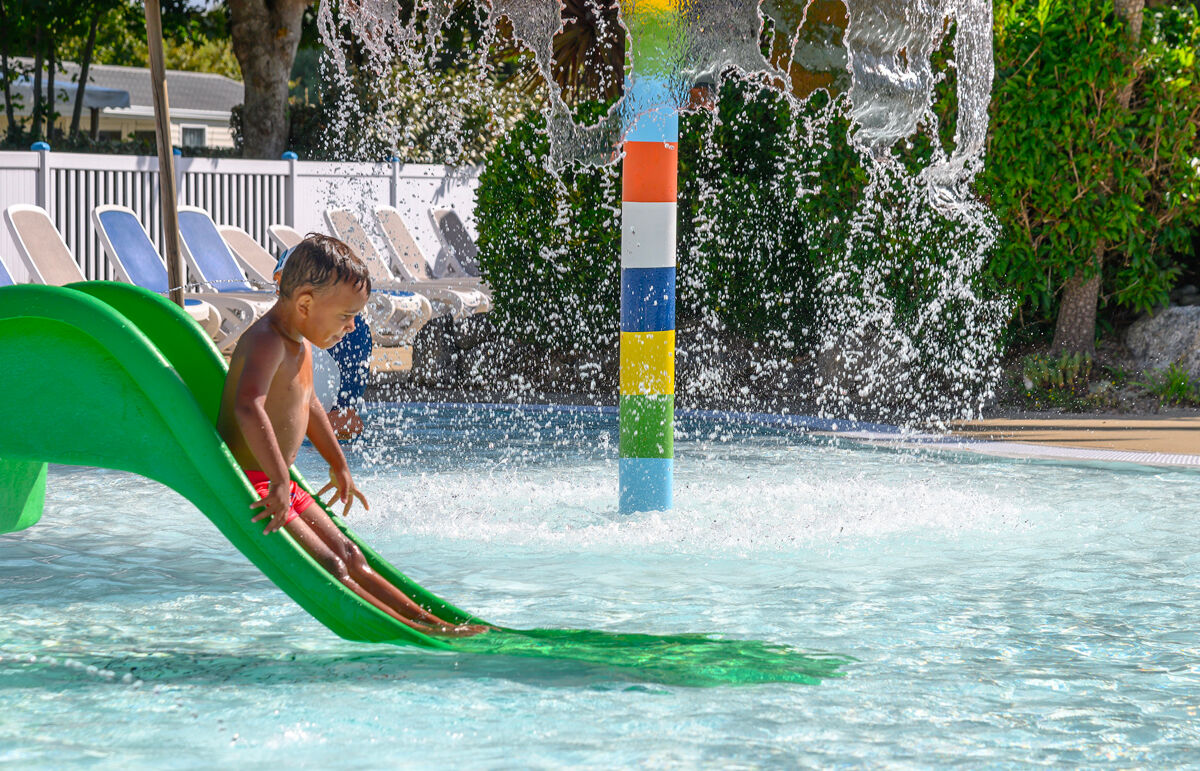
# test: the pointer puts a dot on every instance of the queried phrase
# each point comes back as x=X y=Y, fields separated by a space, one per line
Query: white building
x=200 y=103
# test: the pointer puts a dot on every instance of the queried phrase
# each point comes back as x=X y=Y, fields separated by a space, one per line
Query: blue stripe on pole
x=647 y=299
x=660 y=124
x=645 y=484
x=650 y=111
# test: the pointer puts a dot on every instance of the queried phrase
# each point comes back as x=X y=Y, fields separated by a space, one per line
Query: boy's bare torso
x=288 y=399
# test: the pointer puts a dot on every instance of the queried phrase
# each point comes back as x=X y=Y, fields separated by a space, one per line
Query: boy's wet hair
x=322 y=262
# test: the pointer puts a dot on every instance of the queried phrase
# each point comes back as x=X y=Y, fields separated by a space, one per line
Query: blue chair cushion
x=217 y=264
x=137 y=253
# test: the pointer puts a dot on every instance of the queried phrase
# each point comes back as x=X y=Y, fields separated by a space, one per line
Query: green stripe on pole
x=646 y=422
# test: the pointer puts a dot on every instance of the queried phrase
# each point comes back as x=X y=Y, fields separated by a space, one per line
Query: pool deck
x=1167 y=442
x=1178 y=435
x=1151 y=441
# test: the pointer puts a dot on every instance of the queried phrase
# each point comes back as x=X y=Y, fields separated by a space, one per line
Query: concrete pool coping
x=1172 y=442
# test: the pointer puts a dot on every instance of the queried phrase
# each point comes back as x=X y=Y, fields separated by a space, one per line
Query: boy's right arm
x=250 y=399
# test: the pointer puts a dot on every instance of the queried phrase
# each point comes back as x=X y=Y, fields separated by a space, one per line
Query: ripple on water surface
x=996 y=613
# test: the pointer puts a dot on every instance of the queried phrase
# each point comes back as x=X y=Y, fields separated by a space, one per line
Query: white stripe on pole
x=648 y=235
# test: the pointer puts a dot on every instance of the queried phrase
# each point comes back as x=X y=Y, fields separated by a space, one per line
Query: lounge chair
x=210 y=260
x=48 y=259
x=461 y=253
x=284 y=236
x=410 y=260
x=254 y=259
x=136 y=261
x=460 y=303
x=394 y=318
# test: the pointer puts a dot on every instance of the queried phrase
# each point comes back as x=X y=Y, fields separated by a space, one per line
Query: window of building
x=194 y=136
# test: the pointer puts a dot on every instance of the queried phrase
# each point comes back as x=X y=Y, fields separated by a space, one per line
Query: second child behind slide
x=268 y=406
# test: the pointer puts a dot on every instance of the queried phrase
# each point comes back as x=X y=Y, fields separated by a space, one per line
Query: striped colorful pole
x=648 y=211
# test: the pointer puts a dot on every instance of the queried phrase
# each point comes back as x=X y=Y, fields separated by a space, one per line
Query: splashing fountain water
x=879 y=55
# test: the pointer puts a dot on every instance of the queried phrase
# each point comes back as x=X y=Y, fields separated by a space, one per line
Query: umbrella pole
x=166 y=158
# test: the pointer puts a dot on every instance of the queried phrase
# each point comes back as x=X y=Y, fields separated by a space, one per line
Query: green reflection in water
x=687 y=659
x=553 y=658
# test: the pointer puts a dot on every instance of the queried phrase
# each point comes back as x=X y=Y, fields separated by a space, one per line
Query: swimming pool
x=993 y=612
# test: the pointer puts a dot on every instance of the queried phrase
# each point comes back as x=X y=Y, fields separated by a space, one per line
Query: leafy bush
x=784 y=234
x=1056 y=381
x=773 y=230
x=546 y=244
x=745 y=216
x=1068 y=168
x=555 y=279
x=1172 y=385
x=1068 y=370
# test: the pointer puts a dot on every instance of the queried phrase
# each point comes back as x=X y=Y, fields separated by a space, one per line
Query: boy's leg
x=336 y=566
x=332 y=539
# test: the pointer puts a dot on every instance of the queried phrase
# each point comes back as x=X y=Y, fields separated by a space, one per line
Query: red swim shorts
x=262 y=485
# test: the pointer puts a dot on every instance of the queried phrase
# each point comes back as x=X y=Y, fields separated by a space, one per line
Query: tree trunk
x=1075 y=330
x=51 y=102
x=9 y=113
x=265 y=36
x=84 y=64
x=36 y=112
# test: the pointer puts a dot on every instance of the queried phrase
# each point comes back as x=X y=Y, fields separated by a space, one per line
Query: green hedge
x=554 y=281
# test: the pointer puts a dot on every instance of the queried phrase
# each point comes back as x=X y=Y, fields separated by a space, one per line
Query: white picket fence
x=249 y=194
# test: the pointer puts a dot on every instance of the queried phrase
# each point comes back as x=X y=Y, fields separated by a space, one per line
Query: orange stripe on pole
x=650 y=174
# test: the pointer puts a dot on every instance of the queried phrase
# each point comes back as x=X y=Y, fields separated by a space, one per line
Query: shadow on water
x=552 y=658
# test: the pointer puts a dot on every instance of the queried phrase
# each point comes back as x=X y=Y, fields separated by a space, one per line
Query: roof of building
x=93 y=96
x=185 y=90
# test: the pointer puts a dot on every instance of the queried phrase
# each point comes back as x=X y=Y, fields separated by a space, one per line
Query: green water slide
x=110 y=375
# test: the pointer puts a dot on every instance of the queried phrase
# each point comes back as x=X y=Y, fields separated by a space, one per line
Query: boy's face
x=328 y=313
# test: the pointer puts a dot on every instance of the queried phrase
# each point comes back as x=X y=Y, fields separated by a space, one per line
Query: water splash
x=888 y=45
x=921 y=352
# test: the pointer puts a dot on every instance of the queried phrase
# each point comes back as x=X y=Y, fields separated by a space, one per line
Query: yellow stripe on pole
x=652 y=6
x=648 y=363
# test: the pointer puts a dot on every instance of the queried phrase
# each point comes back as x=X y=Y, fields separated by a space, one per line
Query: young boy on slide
x=268 y=406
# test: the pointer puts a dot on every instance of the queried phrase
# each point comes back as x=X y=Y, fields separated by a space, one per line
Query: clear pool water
x=995 y=613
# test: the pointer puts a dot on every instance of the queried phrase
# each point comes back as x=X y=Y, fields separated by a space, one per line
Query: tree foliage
x=51 y=32
x=1068 y=168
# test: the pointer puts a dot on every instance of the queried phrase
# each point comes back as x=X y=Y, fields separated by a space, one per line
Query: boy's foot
x=463 y=630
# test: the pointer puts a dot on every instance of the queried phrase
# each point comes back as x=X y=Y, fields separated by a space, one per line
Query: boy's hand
x=345 y=491
x=274 y=504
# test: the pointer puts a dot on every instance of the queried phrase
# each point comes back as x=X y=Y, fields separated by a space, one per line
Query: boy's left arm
x=320 y=433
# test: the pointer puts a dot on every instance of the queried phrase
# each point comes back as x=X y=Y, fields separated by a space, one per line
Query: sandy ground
x=1174 y=435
